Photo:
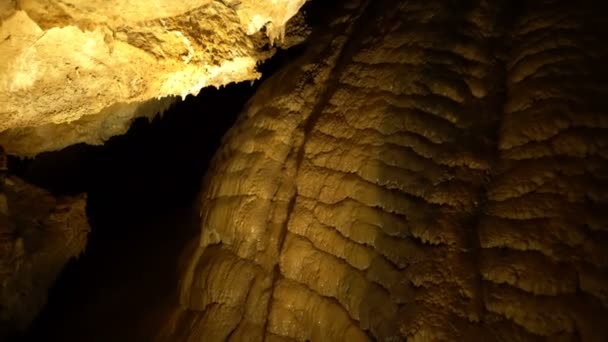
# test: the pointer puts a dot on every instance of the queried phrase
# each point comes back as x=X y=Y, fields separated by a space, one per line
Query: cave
x=293 y=170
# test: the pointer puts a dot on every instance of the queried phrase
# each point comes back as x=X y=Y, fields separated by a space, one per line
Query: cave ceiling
x=77 y=71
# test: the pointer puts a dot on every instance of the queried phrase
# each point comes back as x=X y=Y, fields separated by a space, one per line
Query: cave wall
x=429 y=170
x=39 y=234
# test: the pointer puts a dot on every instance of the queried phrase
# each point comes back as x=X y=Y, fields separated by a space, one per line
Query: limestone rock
x=91 y=64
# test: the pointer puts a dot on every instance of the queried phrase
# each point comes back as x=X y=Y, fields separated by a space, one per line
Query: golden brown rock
x=408 y=178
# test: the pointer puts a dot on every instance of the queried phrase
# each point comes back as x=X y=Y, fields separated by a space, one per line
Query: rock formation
x=39 y=234
x=432 y=172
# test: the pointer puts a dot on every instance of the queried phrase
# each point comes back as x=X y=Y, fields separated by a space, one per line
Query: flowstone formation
x=427 y=171
x=80 y=71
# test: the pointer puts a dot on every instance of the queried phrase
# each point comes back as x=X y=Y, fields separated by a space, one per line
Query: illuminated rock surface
x=424 y=173
x=80 y=71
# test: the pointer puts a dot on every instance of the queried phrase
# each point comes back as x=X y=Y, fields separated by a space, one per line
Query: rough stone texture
x=38 y=235
x=432 y=172
x=92 y=64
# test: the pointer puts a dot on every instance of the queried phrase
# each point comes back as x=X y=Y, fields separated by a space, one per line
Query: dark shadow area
x=142 y=189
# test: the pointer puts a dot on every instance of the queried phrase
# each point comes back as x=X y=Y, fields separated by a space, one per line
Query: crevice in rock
x=498 y=44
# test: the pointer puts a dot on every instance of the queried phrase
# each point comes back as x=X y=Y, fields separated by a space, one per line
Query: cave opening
x=142 y=190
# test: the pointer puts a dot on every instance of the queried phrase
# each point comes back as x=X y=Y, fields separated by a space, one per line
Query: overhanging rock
x=77 y=71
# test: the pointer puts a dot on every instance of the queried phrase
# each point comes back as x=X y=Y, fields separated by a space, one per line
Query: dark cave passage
x=142 y=189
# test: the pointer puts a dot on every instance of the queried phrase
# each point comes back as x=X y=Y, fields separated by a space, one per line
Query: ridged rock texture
x=39 y=233
x=76 y=71
x=428 y=170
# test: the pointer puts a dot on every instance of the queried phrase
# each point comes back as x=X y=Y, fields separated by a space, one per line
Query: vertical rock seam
x=307 y=125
